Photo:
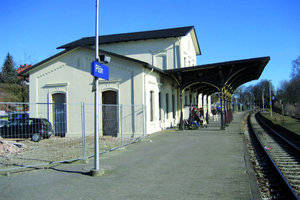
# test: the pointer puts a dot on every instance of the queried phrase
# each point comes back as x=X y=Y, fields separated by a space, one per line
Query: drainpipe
x=179 y=53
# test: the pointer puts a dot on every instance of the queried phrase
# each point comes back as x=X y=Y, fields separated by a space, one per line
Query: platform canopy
x=218 y=77
x=224 y=77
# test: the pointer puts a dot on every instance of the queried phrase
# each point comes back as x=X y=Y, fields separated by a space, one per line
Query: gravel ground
x=23 y=152
x=257 y=164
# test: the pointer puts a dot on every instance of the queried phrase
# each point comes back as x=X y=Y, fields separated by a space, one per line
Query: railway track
x=281 y=155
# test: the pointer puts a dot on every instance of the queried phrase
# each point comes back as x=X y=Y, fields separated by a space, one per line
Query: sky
x=31 y=30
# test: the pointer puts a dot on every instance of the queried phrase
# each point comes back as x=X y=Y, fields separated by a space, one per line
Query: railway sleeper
x=295 y=164
x=288 y=157
x=287 y=160
x=296 y=189
x=292 y=170
x=294 y=178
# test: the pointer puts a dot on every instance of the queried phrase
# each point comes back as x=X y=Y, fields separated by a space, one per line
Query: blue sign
x=273 y=98
x=99 y=70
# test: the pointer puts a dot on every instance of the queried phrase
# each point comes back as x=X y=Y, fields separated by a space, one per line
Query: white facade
x=68 y=75
x=168 y=53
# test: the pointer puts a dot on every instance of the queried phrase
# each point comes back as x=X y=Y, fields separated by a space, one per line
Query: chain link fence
x=42 y=133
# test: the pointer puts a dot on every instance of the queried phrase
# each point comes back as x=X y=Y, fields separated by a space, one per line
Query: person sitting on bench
x=193 y=117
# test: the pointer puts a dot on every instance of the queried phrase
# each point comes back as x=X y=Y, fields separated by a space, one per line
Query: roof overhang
x=195 y=41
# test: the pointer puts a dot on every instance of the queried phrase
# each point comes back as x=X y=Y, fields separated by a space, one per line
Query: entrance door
x=59 y=114
x=110 y=113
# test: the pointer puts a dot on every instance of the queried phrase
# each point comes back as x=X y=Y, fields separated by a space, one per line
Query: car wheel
x=36 y=137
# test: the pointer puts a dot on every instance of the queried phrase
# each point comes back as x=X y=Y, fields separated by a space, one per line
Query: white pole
x=270 y=97
x=263 y=99
x=96 y=162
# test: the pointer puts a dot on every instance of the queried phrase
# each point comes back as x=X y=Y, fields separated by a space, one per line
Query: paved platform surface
x=199 y=164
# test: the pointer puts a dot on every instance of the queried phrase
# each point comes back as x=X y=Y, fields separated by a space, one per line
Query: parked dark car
x=18 y=116
x=3 y=122
x=34 y=128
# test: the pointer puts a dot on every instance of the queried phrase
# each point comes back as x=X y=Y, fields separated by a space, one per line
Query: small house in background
x=23 y=67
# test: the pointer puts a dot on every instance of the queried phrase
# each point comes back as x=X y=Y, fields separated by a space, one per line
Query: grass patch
x=286 y=122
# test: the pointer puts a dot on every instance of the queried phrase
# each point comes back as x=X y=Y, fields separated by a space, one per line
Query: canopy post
x=181 y=109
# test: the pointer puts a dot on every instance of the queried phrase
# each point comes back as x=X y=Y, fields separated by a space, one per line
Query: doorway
x=110 y=123
x=59 y=114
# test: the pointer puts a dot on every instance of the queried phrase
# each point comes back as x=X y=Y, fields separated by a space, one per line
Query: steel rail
x=290 y=191
x=290 y=143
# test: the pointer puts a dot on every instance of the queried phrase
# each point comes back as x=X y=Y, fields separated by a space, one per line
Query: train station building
x=155 y=71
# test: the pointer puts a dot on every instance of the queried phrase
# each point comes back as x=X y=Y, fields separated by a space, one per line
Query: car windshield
x=46 y=122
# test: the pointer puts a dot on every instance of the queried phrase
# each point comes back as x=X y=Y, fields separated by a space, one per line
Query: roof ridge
x=131 y=36
x=155 y=30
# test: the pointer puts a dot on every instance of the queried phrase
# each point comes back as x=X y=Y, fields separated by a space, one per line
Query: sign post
x=96 y=170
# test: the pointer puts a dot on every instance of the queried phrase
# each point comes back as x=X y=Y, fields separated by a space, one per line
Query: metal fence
x=24 y=131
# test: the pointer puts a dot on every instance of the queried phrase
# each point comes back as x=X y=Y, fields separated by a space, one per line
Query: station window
x=161 y=61
x=167 y=105
x=173 y=105
x=151 y=106
x=159 y=102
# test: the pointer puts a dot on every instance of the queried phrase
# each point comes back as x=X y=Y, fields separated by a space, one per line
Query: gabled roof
x=135 y=36
x=26 y=71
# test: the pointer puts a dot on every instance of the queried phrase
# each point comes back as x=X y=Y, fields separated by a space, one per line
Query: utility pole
x=263 y=99
x=270 y=98
x=282 y=111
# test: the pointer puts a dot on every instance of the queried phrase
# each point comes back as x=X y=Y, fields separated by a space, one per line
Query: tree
x=9 y=74
x=262 y=94
x=12 y=88
x=288 y=92
x=252 y=95
x=296 y=68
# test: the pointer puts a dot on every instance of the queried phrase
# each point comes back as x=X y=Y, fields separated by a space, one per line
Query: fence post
x=83 y=130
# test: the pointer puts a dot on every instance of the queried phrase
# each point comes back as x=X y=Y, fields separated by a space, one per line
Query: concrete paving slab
x=194 y=164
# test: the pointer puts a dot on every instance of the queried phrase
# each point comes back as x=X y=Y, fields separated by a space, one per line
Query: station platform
x=208 y=163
